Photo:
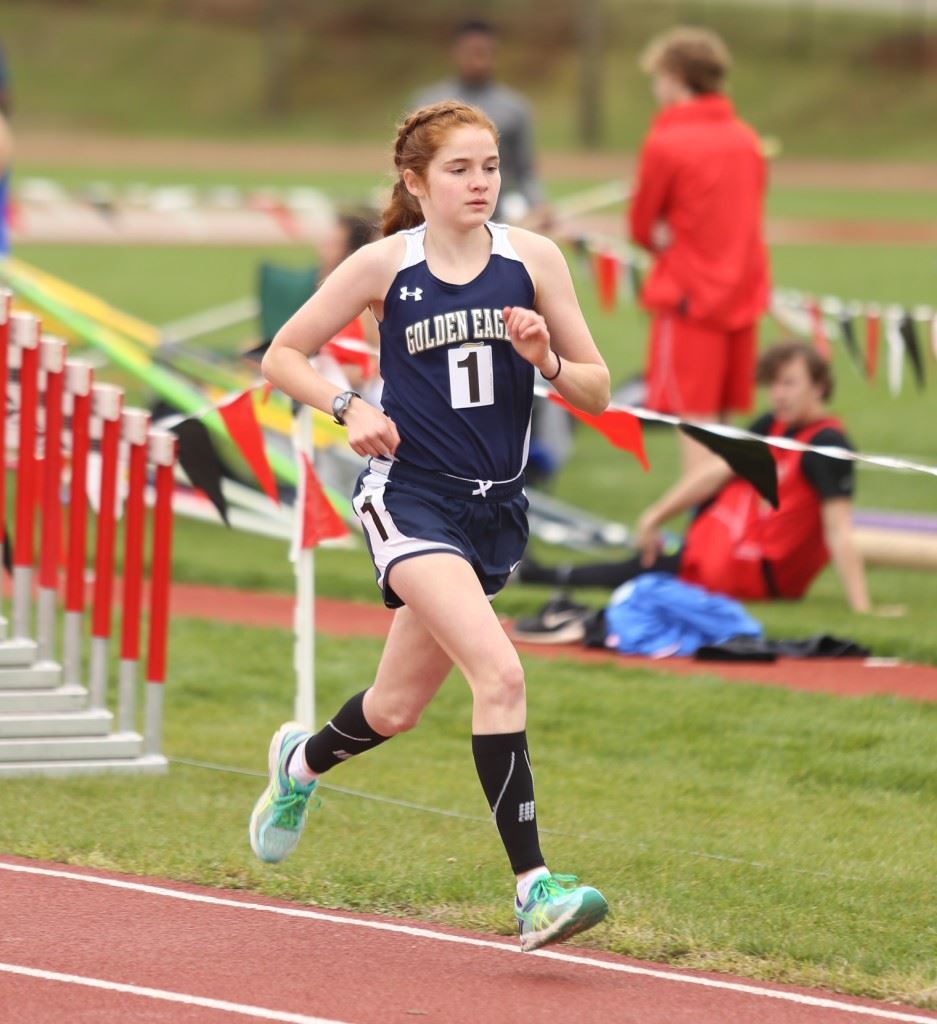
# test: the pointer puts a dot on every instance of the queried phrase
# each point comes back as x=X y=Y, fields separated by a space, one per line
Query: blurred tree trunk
x=590 y=73
x=277 y=71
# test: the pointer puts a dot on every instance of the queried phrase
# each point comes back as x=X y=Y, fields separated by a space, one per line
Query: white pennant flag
x=895 y=349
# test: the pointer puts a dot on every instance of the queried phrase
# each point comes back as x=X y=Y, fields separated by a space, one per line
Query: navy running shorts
x=406 y=512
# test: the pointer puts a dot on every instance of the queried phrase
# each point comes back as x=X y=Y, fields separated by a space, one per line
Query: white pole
x=303 y=559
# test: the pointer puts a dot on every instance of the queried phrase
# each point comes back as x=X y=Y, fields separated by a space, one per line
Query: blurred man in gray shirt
x=474 y=51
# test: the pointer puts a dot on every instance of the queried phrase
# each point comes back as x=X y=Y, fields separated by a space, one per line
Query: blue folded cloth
x=659 y=615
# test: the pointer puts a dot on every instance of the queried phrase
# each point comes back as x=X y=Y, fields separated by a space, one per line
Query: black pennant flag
x=634 y=278
x=909 y=335
x=201 y=463
x=848 y=331
x=752 y=460
x=581 y=249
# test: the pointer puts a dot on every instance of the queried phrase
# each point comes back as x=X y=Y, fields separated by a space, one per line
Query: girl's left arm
x=554 y=335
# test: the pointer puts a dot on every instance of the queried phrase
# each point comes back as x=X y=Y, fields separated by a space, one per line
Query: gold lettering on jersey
x=455 y=328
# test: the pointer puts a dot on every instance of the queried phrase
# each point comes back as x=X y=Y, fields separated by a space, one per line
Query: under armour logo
x=525 y=811
x=416 y=294
x=342 y=755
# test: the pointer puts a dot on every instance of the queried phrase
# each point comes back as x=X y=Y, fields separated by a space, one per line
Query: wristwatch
x=340 y=405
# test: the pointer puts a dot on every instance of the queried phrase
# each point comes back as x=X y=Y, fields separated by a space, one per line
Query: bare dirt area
x=198 y=154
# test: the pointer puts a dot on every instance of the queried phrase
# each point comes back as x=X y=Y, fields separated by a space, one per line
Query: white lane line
x=879 y=1013
x=169 y=997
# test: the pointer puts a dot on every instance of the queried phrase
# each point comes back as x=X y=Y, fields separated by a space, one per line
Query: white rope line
x=487 y=820
x=726 y=430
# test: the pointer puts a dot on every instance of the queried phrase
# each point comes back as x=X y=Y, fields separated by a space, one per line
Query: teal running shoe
x=280 y=814
x=557 y=908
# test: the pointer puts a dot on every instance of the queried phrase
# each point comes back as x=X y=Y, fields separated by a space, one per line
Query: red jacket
x=739 y=545
x=702 y=172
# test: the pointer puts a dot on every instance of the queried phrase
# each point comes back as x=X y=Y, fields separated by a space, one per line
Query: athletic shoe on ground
x=557 y=908
x=559 y=621
x=280 y=813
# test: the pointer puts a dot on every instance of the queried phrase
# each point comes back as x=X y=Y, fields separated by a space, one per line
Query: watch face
x=340 y=406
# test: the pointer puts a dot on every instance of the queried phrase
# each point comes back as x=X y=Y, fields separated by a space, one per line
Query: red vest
x=739 y=545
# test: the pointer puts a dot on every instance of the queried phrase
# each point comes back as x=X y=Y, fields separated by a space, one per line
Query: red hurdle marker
x=78 y=381
x=52 y=363
x=163 y=455
x=135 y=426
x=24 y=334
x=6 y=306
x=107 y=402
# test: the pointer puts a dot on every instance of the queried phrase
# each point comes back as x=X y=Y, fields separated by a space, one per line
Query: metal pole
x=304 y=654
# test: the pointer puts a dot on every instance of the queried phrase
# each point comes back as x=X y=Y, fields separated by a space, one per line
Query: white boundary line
x=464 y=940
x=169 y=997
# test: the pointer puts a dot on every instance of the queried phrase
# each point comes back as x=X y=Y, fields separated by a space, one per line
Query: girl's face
x=462 y=181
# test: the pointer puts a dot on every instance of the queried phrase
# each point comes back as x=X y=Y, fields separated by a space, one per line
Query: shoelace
x=288 y=807
x=551 y=886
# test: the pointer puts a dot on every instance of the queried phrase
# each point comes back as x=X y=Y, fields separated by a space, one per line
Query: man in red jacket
x=698 y=209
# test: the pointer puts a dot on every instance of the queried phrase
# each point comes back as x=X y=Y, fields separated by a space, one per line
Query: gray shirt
x=511 y=117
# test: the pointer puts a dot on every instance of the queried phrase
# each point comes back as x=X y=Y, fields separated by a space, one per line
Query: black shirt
x=831 y=478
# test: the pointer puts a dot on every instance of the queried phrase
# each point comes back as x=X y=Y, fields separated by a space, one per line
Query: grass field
x=778 y=835
x=821 y=81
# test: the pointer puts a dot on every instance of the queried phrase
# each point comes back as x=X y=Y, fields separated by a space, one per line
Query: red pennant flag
x=621 y=428
x=820 y=340
x=606 y=277
x=320 y=520
x=346 y=347
x=872 y=329
x=240 y=419
x=281 y=213
x=268 y=388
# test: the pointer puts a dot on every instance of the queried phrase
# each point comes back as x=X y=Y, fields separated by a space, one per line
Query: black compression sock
x=344 y=736
x=503 y=767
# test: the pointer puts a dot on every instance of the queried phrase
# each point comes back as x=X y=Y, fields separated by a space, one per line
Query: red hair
x=418 y=139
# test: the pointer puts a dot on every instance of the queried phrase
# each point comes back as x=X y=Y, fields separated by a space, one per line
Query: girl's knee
x=392 y=719
x=503 y=684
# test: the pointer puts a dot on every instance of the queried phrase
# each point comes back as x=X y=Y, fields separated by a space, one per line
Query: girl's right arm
x=355 y=284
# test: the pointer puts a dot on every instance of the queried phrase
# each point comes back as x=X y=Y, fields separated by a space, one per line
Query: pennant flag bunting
x=347 y=347
x=634 y=277
x=750 y=459
x=908 y=330
x=895 y=342
x=319 y=520
x=818 y=329
x=200 y=462
x=241 y=420
x=621 y=428
x=848 y=332
x=581 y=251
x=873 y=329
x=606 y=275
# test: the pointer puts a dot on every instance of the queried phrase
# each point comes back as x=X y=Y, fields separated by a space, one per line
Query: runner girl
x=468 y=311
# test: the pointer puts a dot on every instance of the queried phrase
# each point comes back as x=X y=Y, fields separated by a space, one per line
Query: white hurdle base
x=150 y=764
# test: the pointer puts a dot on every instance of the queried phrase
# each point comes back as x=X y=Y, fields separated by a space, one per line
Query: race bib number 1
x=471 y=376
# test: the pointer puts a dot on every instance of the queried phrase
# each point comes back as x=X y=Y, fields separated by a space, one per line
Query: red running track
x=850 y=677
x=81 y=945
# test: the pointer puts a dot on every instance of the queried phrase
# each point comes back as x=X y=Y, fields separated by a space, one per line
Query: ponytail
x=418 y=138
x=402 y=212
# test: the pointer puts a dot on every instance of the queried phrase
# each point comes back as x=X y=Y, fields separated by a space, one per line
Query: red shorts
x=696 y=370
